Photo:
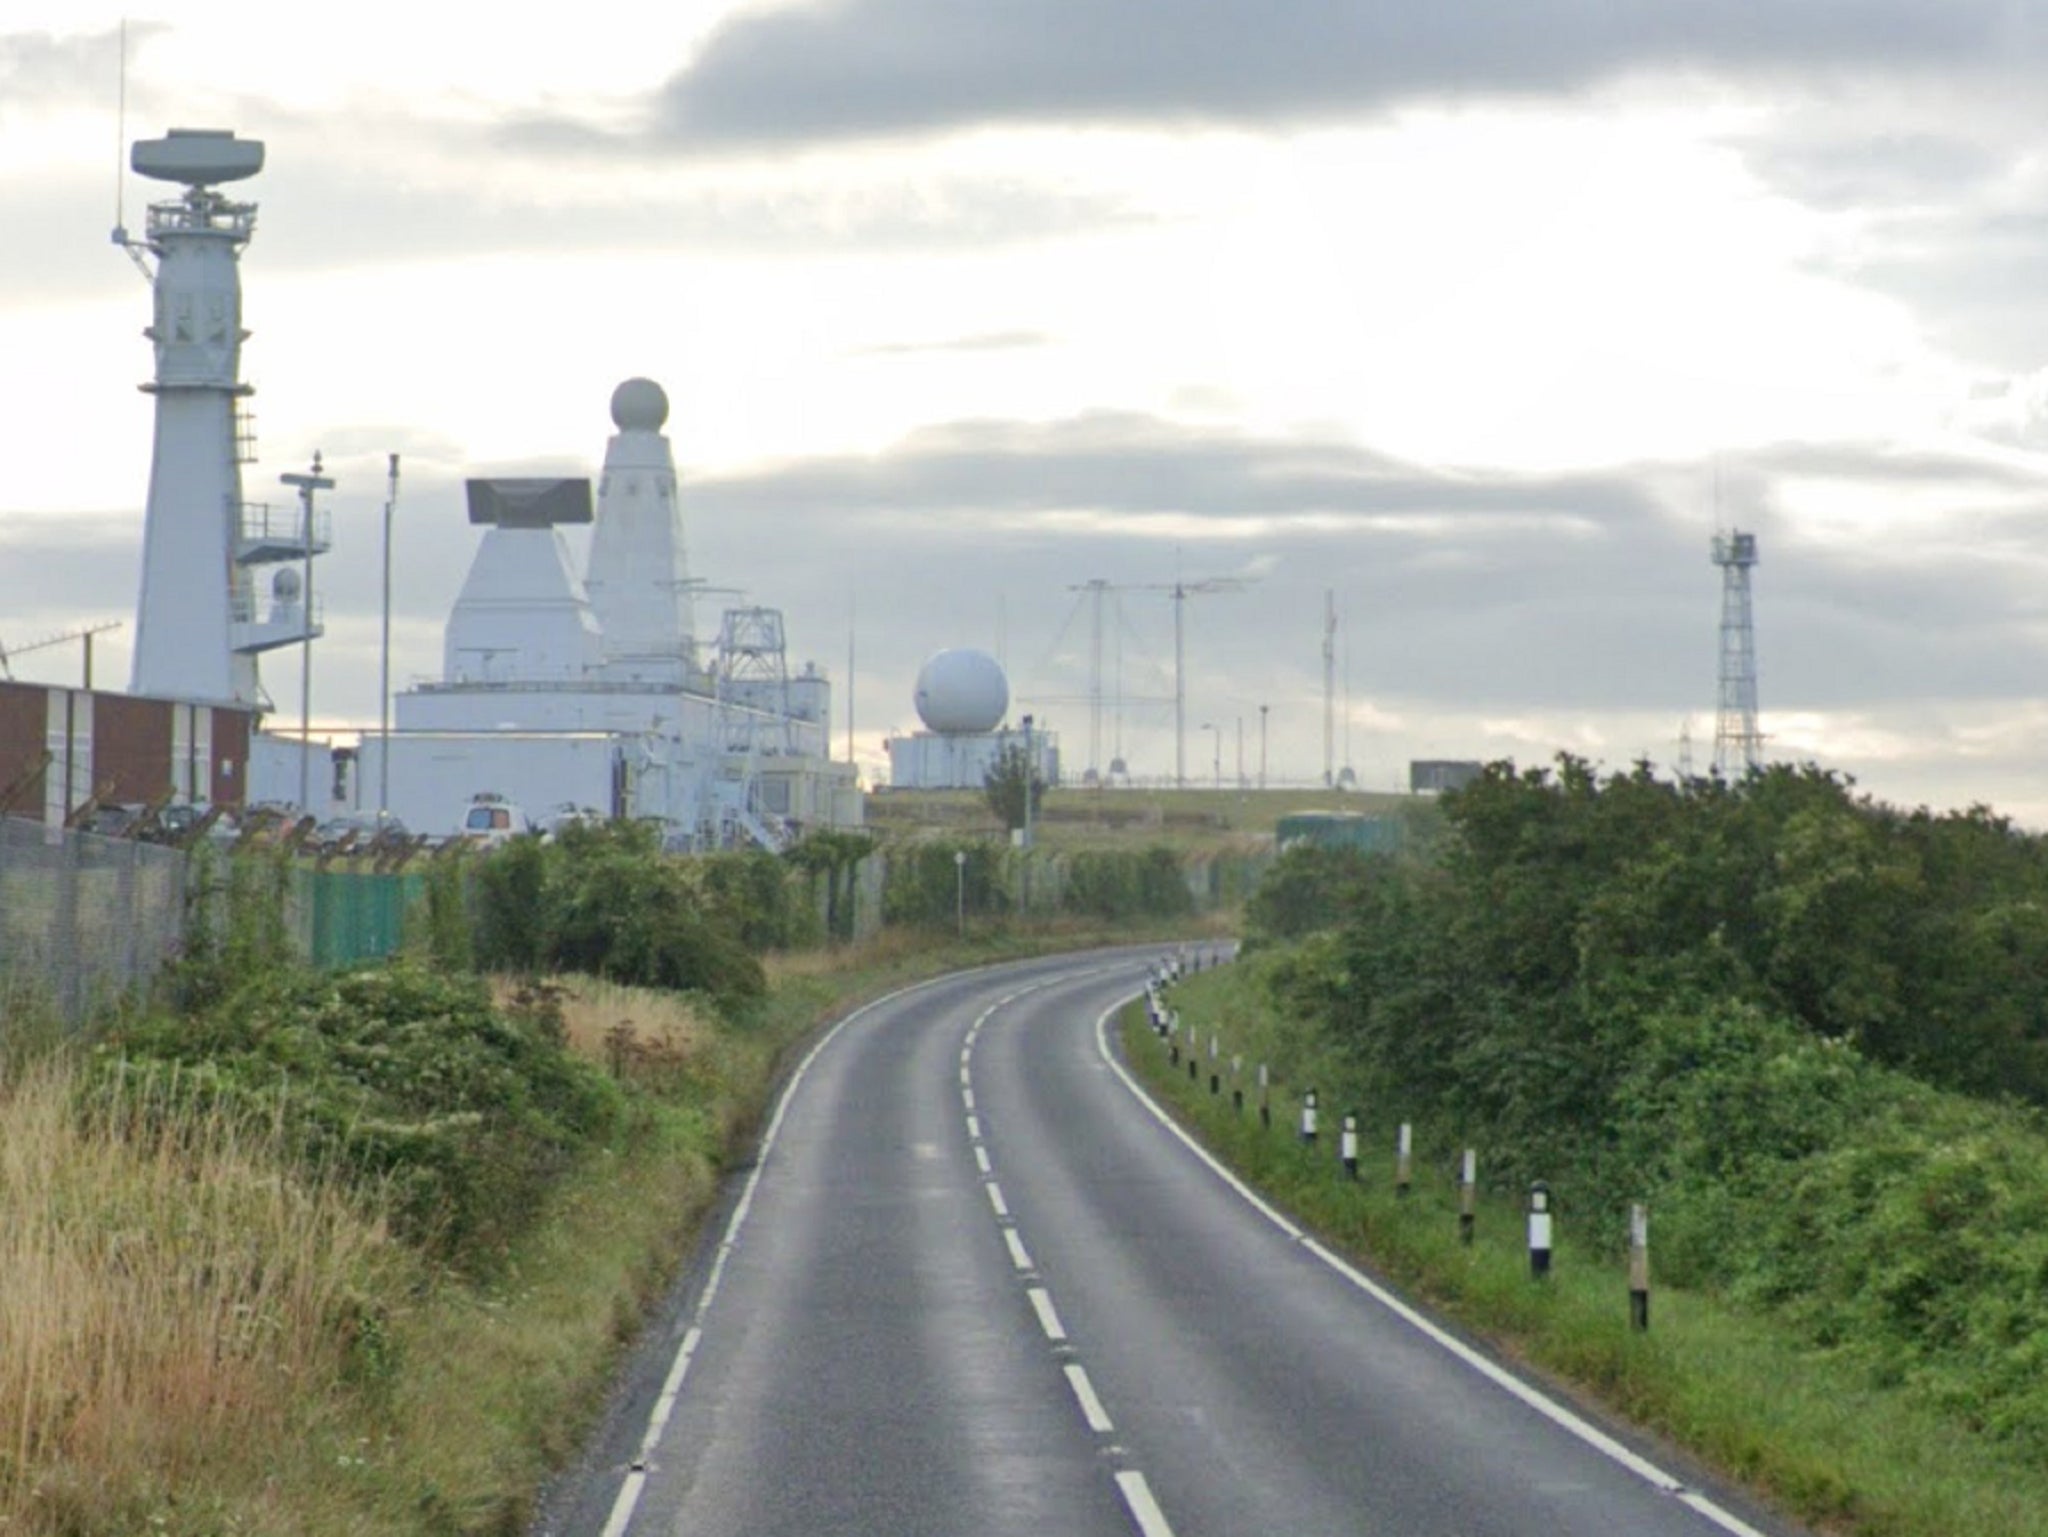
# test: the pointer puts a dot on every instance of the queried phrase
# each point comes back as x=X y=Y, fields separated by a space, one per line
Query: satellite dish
x=198 y=157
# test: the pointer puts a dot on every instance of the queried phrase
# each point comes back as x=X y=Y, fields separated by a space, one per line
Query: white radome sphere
x=961 y=692
x=639 y=405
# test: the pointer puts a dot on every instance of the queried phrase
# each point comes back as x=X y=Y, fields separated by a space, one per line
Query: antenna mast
x=1738 y=743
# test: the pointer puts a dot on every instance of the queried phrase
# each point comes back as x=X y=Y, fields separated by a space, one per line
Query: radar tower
x=198 y=631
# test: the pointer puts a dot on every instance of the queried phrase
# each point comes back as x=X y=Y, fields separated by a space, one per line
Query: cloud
x=880 y=68
x=986 y=341
x=1463 y=591
x=42 y=69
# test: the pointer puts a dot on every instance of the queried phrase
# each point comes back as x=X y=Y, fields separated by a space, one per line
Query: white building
x=560 y=689
x=962 y=696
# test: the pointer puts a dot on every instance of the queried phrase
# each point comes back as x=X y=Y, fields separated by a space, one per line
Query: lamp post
x=960 y=890
x=1030 y=780
x=1216 y=765
x=384 y=666
x=306 y=485
x=1262 y=745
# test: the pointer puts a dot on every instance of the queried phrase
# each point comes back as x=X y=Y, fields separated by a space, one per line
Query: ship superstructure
x=203 y=616
x=561 y=689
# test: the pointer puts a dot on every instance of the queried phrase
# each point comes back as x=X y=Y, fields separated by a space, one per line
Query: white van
x=491 y=820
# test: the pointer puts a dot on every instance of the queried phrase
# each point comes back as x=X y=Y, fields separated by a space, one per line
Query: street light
x=1217 y=762
x=384 y=665
x=960 y=890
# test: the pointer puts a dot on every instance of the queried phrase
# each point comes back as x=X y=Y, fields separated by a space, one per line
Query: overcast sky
x=1482 y=316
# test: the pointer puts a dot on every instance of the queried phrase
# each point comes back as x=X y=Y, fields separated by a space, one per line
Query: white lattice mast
x=1738 y=744
x=198 y=629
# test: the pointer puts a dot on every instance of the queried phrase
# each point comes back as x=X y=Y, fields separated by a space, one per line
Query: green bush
x=400 y=1077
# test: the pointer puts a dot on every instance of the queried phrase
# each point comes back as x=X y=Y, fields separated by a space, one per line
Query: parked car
x=490 y=820
x=569 y=814
x=356 y=829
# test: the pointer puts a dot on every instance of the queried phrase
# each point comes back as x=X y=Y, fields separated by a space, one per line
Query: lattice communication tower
x=1738 y=744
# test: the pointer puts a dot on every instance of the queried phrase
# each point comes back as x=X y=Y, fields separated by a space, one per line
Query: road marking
x=1144 y=1509
x=1048 y=1316
x=1533 y=1397
x=635 y=1481
x=1091 y=1406
x=1137 y=1493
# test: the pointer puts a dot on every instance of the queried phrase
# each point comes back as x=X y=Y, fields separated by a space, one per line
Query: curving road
x=977 y=1284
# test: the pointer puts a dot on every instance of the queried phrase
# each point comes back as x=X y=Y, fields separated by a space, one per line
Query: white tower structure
x=522 y=616
x=198 y=627
x=637 y=579
x=1738 y=743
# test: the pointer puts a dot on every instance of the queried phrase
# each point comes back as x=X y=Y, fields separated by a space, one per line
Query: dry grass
x=168 y=1301
x=598 y=1015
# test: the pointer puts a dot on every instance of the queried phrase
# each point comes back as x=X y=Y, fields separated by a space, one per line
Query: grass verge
x=199 y=1336
x=1806 y=1428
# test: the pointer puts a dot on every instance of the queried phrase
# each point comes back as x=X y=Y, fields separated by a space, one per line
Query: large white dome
x=961 y=692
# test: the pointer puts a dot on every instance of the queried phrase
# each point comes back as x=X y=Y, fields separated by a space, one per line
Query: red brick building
x=125 y=749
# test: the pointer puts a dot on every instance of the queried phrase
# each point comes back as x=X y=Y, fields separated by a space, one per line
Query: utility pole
x=1262 y=745
x=1329 y=686
x=384 y=664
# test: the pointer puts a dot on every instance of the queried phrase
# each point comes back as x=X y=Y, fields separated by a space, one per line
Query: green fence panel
x=346 y=917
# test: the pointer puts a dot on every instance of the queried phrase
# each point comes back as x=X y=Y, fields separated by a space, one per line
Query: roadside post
x=1539 y=1231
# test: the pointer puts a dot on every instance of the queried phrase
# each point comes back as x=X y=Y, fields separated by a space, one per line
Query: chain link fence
x=84 y=920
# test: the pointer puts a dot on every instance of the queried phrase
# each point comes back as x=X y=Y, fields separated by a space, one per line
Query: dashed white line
x=1091 y=1406
x=1144 y=1508
x=1137 y=1493
x=1048 y=1315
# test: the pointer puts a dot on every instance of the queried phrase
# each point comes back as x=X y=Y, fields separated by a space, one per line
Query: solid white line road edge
x=635 y=1482
x=1533 y=1397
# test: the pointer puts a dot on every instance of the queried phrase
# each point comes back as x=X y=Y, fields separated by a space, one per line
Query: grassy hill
x=1192 y=820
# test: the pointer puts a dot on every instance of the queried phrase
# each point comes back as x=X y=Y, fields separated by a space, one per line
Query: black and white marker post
x=1237 y=1083
x=1215 y=1073
x=1403 y=1155
x=1347 y=1143
x=1639 y=1267
x=1308 y=1117
x=1265 y=1096
x=1539 y=1231
x=1468 y=1196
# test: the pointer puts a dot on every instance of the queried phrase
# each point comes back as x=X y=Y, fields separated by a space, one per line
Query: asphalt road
x=976 y=1284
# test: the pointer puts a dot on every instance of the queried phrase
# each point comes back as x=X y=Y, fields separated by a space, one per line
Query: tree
x=1005 y=786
